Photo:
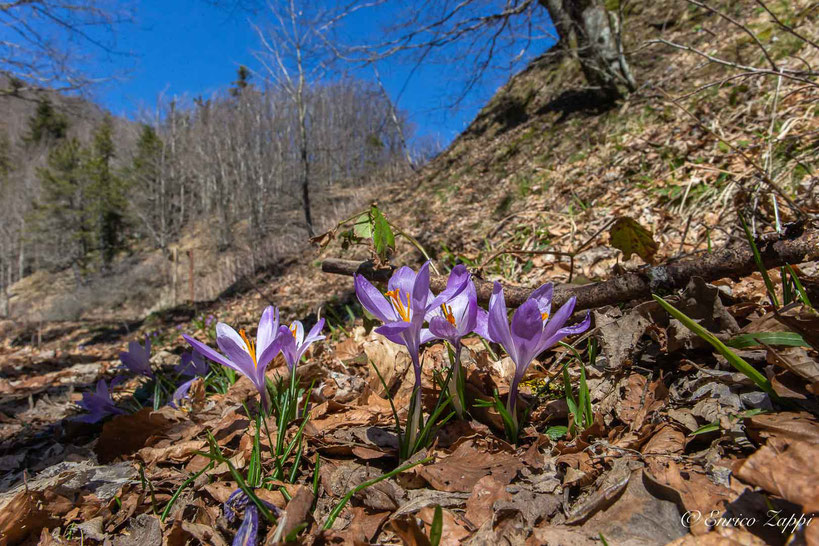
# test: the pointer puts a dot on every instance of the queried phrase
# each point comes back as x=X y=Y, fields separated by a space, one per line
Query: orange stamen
x=544 y=316
x=448 y=314
x=250 y=347
x=293 y=330
x=404 y=312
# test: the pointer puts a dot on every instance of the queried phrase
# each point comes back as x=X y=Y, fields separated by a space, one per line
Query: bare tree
x=288 y=56
x=591 y=33
x=475 y=31
x=42 y=39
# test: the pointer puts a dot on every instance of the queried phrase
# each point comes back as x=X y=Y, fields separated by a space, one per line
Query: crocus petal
x=393 y=328
x=402 y=280
x=420 y=292
x=246 y=535
x=459 y=279
x=102 y=389
x=136 y=363
x=557 y=321
x=225 y=333
x=442 y=329
x=426 y=336
x=498 y=323
x=181 y=392
x=209 y=353
x=543 y=296
x=268 y=328
x=482 y=323
x=184 y=364
x=234 y=348
x=198 y=364
x=297 y=328
x=466 y=319
x=312 y=336
x=567 y=331
x=527 y=325
x=373 y=301
x=267 y=356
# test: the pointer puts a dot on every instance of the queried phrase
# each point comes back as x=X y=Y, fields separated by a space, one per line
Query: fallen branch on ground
x=791 y=248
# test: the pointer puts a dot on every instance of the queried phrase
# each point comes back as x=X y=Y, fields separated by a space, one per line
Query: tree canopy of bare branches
x=46 y=43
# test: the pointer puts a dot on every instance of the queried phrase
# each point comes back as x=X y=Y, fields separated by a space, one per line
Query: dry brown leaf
x=696 y=491
x=785 y=427
x=297 y=511
x=479 y=505
x=181 y=532
x=790 y=473
x=25 y=515
x=796 y=360
x=406 y=527
x=365 y=526
x=125 y=434
x=453 y=532
x=720 y=536
x=461 y=470
x=177 y=452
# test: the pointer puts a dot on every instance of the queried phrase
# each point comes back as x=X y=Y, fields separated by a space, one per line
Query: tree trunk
x=591 y=33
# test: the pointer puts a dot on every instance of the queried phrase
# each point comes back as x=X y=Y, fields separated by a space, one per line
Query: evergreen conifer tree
x=46 y=125
x=107 y=193
x=63 y=218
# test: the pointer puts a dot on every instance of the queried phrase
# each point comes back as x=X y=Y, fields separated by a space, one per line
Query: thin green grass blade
x=740 y=364
x=436 y=530
x=331 y=518
x=769 y=286
x=799 y=288
x=785 y=339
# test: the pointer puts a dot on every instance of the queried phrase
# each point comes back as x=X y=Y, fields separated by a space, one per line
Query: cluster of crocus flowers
x=404 y=308
x=251 y=359
x=408 y=304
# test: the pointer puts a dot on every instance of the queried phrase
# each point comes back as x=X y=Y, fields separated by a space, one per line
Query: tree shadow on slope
x=577 y=101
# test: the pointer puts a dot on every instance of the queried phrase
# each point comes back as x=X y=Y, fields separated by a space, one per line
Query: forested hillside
x=95 y=205
x=590 y=320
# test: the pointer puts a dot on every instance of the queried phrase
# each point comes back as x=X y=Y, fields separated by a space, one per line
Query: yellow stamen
x=293 y=330
x=544 y=316
x=250 y=347
x=404 y=312
x=448 y=314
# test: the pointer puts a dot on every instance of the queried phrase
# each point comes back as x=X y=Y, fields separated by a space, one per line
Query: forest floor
x=680 y=446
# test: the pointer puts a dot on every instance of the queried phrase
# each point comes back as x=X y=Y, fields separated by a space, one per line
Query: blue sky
x=192 y=47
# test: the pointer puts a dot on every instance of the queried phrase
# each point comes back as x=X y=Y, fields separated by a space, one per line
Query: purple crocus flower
x=248 y=531
x=240 y=352
x=192 y=365
x=407 y=304
x=99 y=404
x=454 y=320
x=138 y=358
x=294 y=343
x=532 y=331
